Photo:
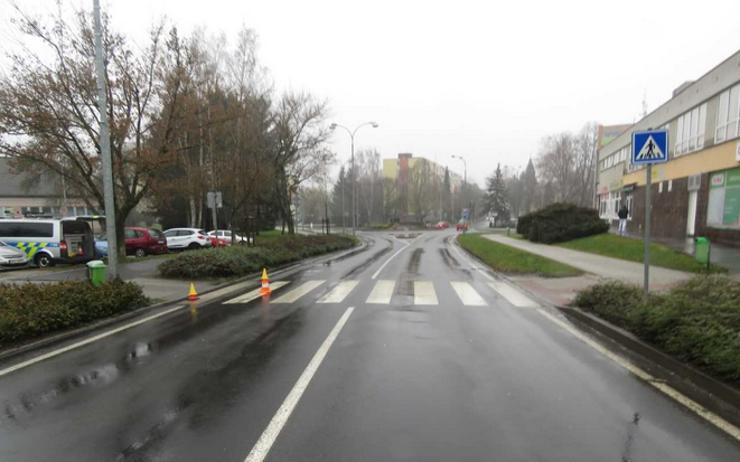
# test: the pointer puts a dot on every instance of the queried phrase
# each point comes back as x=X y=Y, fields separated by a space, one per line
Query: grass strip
x=630 y=249
x=505 y=259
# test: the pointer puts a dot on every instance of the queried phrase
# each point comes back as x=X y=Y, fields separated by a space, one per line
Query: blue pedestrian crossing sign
x=650 y=147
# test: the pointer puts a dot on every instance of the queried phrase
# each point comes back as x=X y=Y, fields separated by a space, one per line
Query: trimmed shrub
x=30 y=310
x=559 y=223
x=239 y=260
x=698 y=321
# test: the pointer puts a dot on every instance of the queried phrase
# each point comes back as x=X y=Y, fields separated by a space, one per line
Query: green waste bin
x=97 y=272
x=702 y=250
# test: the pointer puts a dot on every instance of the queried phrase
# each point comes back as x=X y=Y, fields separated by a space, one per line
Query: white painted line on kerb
x=268 y=437
x=87 y=341
x=298 y=292
x=375 y=275
x=424 y=293
x=255 y=294
x=339 y=293
x=472 y=263
x=692 y=405
x=382 y=292
x=513 y=296
x=467 y=294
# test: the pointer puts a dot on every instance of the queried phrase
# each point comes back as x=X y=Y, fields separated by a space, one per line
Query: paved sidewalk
x=561 y=291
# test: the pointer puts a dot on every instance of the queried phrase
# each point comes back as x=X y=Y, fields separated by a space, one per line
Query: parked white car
x=186 y=238
x=12 y=257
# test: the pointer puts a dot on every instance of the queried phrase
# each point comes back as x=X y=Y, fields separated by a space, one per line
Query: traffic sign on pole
x=648 y=147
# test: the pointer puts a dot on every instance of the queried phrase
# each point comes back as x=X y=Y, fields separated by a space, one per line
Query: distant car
x=12 y=257
x=442 y=225
x=186 y=238
x=224 y=237
x=145 y=241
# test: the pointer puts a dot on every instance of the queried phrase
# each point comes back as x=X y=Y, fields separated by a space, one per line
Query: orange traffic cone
x=265 y=290
x=192 y=294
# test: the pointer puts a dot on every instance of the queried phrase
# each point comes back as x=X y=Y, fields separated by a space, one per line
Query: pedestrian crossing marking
x=512 y=295
x=298 y=292
x=467 y=294
x=339 y=292
x=254 y=294
x=424 y=293
x=382 y=292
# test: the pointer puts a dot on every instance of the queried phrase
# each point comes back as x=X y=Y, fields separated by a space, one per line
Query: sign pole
x=646 y=238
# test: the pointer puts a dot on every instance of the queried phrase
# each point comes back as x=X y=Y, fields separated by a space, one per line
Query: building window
x=690 y=130
x=728 y=115
x=723 y=209
x=628 y=203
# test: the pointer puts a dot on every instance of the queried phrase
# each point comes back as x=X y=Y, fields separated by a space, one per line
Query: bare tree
x=49 y=118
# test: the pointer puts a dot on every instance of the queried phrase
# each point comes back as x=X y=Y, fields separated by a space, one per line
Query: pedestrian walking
x=623 y=213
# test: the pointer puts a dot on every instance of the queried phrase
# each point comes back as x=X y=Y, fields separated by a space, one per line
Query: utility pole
x=646 y=238
x=109 y=198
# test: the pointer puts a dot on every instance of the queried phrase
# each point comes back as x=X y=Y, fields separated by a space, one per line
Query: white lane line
x=692 y=405
x=514 y=297
x=298 y=292
x=467 y=294
x=339 y=292
x=87 y=341
x=375 y=274
x=255 y=294
x=382 y=292
x=424 y=293
x=268 y=437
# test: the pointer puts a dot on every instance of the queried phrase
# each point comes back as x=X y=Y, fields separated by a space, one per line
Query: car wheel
x=43 y=260
x=140 y=253
x=193 y=246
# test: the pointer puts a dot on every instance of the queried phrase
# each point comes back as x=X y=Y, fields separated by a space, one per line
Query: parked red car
x=442 y=225
x=145 y=241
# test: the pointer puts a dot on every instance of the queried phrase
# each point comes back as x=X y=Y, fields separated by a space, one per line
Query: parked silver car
x=11 y=256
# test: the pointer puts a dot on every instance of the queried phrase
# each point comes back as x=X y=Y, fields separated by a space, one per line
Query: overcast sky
x=482 y=79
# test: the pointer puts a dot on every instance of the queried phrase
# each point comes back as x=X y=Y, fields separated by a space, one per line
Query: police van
x=48 y=241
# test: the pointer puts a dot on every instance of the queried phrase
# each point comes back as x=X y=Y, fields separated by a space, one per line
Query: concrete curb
x=717 y=396
x=714 y=395
x=81 y=331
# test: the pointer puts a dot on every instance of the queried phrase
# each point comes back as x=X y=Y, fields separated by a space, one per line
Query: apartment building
x=697 y=192
x=402 y=170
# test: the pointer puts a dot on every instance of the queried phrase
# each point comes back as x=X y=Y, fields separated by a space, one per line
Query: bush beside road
x=698 y=321
x=506 y=259
x=272 y=249
x=560 y=222
x=630 y=249
x=30 y=310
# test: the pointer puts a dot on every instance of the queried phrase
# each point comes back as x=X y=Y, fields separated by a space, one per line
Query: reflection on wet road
x=437 y=362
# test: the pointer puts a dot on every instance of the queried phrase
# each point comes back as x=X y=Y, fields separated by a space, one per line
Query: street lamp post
x=354 y=173
x=465 y=177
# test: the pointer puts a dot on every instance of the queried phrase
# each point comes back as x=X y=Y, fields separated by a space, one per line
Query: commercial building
x=697 y=192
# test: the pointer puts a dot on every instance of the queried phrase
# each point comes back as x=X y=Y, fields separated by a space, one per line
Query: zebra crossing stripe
x=382 y=292
x=424 y=293
x=254 y=294
x=298 y=292
x=467 y=294
x=512 y=295
x=339 y=292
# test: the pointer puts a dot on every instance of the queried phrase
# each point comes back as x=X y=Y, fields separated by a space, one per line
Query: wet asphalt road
x=405 y=380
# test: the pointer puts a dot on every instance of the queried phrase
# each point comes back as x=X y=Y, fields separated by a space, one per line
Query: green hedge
x=698 y=321
x=560 y=222
x=240 y=260
x=30 y=310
